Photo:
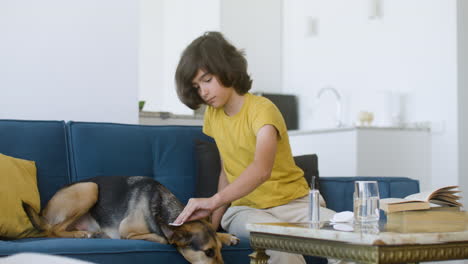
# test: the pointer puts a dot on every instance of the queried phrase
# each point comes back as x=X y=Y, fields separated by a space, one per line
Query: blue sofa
x=68 y=152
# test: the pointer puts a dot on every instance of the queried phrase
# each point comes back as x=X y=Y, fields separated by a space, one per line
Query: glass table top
x=429 y=226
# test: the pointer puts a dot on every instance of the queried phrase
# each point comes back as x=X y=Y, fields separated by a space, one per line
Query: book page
x=428 y=195
x=399 y=200
x=422 y=196
x=443 y=190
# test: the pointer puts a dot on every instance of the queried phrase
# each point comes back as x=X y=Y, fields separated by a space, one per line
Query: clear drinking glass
x=366 y=201
x=314 y=206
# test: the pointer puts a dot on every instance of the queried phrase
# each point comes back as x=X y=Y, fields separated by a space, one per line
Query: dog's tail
x=36 y=220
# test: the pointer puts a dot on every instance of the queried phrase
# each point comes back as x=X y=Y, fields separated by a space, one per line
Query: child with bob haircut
x=259 y=181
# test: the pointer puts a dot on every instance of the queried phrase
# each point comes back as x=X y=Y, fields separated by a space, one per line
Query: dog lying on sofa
x=135 y=207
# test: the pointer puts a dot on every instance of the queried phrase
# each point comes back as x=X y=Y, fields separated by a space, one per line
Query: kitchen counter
x=167 y=118
x=351 y=128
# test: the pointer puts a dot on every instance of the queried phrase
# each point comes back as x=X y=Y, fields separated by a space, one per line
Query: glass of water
x=366 y=201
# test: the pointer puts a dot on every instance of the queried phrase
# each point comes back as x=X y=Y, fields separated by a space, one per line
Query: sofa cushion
x=115 y=251
x=43 y=142
x=17 y=184
x=101 y=149
x=165 y=153
x=338 y=191
x=175 y=163
x=309 y=164
x=209 y=167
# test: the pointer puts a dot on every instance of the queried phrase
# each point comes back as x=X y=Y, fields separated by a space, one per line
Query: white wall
x=463 y=98
x=255 y=26
x=169 y=26
x=151 y=72
x=69 y=60
x=410 y=49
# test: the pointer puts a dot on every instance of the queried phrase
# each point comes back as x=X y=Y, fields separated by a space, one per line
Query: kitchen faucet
x=335 y=92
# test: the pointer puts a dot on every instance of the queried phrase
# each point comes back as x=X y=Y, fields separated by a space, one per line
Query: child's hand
x=196 y=208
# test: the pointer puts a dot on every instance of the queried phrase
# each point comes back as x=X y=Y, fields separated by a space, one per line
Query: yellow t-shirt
x=236 y=139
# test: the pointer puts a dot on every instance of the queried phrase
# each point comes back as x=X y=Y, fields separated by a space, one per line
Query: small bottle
x=314 y=203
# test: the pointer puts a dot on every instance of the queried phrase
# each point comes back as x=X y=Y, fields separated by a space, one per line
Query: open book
x=445 y=196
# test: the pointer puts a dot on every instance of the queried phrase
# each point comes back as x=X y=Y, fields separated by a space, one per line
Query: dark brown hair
x=212 y=53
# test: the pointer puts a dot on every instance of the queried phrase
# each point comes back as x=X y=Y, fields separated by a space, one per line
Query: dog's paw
x=82 y=234
x=228 y=239
x=234 y=240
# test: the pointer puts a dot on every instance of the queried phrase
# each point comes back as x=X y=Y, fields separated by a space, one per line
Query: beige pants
x=236 y=217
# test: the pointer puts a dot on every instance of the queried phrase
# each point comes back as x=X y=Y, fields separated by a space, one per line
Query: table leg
x=259 y=256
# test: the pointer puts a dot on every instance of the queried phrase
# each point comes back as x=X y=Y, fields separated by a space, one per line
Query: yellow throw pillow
x=17 y=183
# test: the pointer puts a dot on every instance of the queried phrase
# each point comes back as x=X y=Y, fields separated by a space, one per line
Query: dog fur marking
x=68 y=206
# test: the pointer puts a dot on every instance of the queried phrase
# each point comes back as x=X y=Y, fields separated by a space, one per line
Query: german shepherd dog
x=134 y=207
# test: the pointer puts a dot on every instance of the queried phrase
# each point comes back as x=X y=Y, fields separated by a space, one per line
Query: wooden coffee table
x=405 y=237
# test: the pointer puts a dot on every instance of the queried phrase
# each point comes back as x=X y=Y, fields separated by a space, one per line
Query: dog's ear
x=167 y=230
x=175 y=234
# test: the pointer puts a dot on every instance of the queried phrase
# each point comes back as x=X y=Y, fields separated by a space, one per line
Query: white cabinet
x=166 y=119
x=368 y=151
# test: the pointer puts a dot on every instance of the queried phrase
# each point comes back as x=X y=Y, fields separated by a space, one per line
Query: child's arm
x=253 y=176
x=257 y=172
